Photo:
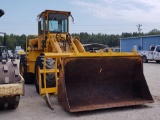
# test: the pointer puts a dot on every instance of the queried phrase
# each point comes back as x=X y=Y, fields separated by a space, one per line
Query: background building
x=94 y=47
x=139 y=43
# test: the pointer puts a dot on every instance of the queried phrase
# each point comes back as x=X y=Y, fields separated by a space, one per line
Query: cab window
x=158 y=49
x=57 y=22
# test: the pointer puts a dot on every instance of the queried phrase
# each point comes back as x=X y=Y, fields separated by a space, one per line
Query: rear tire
x=50 y=77
x=145 y=59
x=28 y=77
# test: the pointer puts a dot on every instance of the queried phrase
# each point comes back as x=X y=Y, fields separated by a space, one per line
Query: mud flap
x=102 y=82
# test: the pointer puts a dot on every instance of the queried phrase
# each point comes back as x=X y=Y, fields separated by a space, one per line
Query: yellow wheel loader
x=11 y=82
x=58 y=64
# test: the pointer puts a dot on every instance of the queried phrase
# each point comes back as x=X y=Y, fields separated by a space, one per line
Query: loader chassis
x=59 y=65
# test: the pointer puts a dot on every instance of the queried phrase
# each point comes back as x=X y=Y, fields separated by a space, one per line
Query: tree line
x=85 y=38
x=13 y=40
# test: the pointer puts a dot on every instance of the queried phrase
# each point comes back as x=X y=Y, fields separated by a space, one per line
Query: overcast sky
x=92 y=16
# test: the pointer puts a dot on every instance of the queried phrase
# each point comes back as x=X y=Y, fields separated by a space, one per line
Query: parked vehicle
x=152 y=55
x=18 y=51
x=10 y=53
x=113 y=49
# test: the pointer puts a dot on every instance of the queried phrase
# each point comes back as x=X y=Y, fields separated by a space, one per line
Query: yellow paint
x=12 y=89
x=59 y=45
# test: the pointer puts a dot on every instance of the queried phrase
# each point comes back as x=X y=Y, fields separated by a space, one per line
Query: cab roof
x=54 y=11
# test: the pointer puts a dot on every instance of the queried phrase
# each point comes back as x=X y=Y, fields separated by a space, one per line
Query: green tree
x=154 y=32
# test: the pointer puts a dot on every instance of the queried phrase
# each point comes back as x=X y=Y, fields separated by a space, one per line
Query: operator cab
x=50 y=21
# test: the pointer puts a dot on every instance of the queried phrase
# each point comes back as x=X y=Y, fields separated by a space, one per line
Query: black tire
x=145 y=59
x=50 y=77
x=9 y=102
x=28 y=77
x=158 y=61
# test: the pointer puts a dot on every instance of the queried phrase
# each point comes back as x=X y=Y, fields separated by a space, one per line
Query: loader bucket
x=91 y=83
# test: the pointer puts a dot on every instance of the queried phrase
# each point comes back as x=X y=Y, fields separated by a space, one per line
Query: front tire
x=145 y=59
x=50 y=77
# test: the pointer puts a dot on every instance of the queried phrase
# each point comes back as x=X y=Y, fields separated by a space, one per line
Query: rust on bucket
x=102 y=82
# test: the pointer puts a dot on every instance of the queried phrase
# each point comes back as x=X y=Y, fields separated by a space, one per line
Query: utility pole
x=139 y=28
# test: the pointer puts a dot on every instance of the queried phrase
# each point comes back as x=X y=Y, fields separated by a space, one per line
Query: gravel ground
x=33 y=107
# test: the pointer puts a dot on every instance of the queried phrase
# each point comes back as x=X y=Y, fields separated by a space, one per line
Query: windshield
x=57 y=22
